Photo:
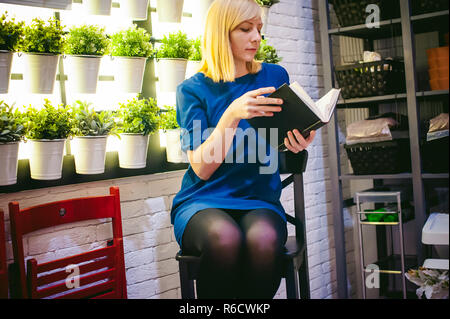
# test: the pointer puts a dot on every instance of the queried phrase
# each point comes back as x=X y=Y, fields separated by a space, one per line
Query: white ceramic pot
x=40 y=72
x=134 y=9
x=5 y=70
x=200 y=10
x=173 y=147
x=129 y=73
x=265 y=18
x=82 y=73
x=171 y=72
x=9 y=153
x=133 y=150
x=169 y=10
x=46 y=158
x=192 y=68
x=89 y=154
x=97 y=7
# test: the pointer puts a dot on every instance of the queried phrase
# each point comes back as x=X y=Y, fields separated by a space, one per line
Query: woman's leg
x=213 y=235
x=265 y=234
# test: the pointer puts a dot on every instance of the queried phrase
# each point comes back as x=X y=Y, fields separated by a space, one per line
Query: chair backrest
x=3 y=267
x=95 y=274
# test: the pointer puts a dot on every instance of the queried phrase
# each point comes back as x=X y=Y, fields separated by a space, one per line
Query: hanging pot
x=199 y=12
x=129 y=73
x=82 y=71
x=89 y=154
x=97 y=7
x=9 y=153
x=173 y=147
x=265 y=18
x=135 y=9
x=40 y=72
x=46 y=158
x=5 y=70
x=170 y=10
x=192 y=68
x=171 y=72
x=133 y=150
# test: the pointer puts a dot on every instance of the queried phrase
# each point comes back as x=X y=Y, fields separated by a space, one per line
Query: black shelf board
x=376 y=176
x=387 y=29
x=428 y=22
x=435 y=175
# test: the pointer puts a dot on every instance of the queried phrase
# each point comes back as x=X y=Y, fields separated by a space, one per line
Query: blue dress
x=245 y=180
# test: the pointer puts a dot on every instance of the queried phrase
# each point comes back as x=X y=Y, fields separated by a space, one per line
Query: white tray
x=435 y=230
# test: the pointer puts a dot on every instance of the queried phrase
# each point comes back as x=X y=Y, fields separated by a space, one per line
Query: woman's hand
x=295 y=142
x=253 y=104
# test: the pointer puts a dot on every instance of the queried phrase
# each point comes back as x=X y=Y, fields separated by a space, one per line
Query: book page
x=305 y=97
x=327 y=103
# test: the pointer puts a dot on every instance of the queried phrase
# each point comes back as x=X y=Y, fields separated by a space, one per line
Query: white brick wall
x=149 y=243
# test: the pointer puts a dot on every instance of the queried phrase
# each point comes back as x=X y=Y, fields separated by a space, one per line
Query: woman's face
x=245 y=40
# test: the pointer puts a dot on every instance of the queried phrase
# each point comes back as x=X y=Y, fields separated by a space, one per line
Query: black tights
x=240 y=252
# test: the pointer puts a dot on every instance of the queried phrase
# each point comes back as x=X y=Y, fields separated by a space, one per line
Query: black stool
x=295 y=268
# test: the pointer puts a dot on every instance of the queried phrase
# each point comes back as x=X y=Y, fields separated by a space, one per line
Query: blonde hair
x=217 y=57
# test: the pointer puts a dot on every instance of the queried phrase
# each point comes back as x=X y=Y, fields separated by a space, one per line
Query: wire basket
x=371 y=78
x=435 y=155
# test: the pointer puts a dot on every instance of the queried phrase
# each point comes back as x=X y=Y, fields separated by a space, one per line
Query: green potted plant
x=265 y=6
x=130 y=49
x=267 y=53
x=84 y=46
x=195 y=58
x=90 y=130
x=171 y=130
x=172 y=56
x=137 y=119
x=169 y=10
x=135 y=9
x=42 y=44
x=97 y=7
x=47 y=131
x=11 y=33
x=12 y=131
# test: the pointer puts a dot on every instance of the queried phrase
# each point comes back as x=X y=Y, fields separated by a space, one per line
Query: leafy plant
x=12 y=127
x=175 y=46
x=138 y=116
x=87 y=40
x=196 y=50
x=42 y=37
x=169 y=118
x=267 y=3
x=48 y=123
x=133 y=42
x=10 y=33
x=87 y=122
x=432 y=282
x=267 y=53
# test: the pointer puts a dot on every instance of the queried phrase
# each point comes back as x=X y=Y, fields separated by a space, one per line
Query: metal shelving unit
x=405 y=26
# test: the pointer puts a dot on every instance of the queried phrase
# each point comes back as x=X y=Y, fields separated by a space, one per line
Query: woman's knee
x=224 y=241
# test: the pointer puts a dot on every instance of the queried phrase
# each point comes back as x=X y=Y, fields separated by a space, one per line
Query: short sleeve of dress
x=191 y=117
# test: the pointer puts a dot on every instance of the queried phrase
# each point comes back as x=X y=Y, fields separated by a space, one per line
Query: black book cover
x=295 y=114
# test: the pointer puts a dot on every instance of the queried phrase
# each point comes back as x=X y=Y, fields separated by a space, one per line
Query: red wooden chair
x=3 y=269
x=97 y=274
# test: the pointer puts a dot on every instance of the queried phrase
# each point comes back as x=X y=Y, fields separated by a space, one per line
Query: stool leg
x=291 y=282
x=187 y=285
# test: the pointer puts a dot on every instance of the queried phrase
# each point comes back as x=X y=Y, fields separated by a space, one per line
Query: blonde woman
x=228 y=210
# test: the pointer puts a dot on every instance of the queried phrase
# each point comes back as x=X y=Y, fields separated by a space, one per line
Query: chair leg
x=187 y=285
x=292 y=287
x=304 y=281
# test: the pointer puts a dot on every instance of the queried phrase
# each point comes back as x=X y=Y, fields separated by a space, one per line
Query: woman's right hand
x=253 y=104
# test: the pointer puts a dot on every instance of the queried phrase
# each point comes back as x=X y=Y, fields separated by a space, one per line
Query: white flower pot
x=171 y=72
x=135 y=9
x=46 y=158
x=129 y=73
x=40 y=72
x=200 y=10
x=5 y=70
x=192 y=68
x=97 y=7
x=173 y=147
x=9 y=153
x=133 y=150
x=89 y=154
x=170 y=10
x=82 y=73
x=265 y=18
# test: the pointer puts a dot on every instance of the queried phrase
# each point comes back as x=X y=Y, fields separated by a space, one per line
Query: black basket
x=353 y=12
x=435 y=155
x=426 y=6
x=388 y=157
x=371 y=78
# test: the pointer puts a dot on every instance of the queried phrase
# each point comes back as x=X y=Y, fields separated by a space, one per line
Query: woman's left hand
x=295 y=142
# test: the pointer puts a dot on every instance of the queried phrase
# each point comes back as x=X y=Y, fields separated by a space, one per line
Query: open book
x=299 y=112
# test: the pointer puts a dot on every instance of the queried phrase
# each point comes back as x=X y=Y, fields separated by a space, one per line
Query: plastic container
x=435 y=231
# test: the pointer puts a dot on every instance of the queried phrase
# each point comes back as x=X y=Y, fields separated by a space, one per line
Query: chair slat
x=84 y=269
x=84 y=280
x=108 y=295
x=91 y=291
x=63 y=262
